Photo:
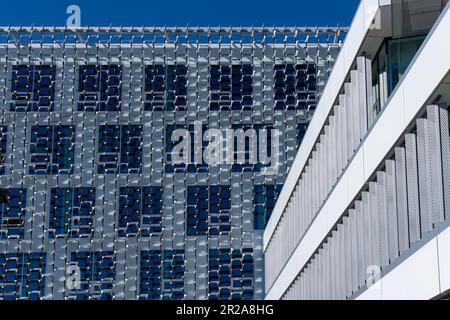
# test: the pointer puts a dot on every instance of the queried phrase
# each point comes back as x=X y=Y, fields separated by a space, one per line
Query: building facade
x=95 y=207
x=376 y=156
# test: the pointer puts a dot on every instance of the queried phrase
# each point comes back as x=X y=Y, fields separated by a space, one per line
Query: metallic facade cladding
x=85 y=116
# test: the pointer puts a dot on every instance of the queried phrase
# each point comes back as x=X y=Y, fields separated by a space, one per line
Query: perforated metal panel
x=337 y=141
x=445 y=156
x=424 y=171
x=383 y=218
x=413 y=188
x=435 y=165
x=333 y=151
x=363 y=80
x=375 y=224
x=349 y=118
x=402 y=199
x=353 y=238
x=336 y=278
x=347 y=255
x=360 y=244
x=344 y=130
x=391 y=210
x=368 y=241
x=356 y=110
x=342 y=285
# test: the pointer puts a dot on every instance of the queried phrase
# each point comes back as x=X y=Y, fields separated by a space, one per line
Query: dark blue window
x=295 y=86
x=97 y=274
x=264 y=199
x=165 y=87
x=162 y=274
x=247 y=166
x=301 y=130
x=150 y=275
x=12 y=214
x=191 y=166
x=231 y=87
x=231 y=274
x=3 y=143
x=22 y=275
x=71 y=211
x=52 y=149
x=197 y=211
x=140 y=211
x=33 y=88
x=208 y=202
x=173 y=274
x=120 y=149
x=219 y=210
x=99 y=87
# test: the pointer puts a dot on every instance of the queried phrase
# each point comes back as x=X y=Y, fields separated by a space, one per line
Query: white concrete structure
x=365 y=210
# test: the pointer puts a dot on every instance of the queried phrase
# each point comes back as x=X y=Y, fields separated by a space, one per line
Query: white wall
x=422 y=276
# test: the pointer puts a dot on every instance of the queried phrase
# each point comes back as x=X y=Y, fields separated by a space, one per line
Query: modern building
x=364 y=212
x=96 y=208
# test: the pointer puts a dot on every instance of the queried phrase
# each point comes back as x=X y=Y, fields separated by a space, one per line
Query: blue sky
x=182 y=12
